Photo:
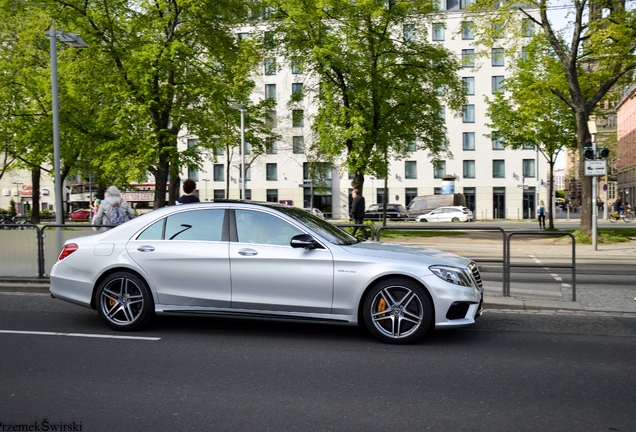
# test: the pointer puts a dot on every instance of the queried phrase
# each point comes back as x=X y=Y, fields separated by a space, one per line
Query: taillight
x=67 y=250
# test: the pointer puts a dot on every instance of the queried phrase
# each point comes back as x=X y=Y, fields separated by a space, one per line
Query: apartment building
x=497 y=182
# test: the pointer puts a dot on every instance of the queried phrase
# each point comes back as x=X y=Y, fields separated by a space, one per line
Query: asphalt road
x=510 y=371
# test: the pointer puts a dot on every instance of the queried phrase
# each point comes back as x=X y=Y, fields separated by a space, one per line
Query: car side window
x=195 y=225
x=153 y=232
x=263 y=228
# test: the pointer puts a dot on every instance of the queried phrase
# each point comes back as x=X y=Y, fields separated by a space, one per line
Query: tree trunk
x=35 y=195
x=550 y=192
x=584 y=140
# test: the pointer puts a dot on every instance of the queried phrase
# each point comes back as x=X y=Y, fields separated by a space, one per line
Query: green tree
x=526 y=113
x=598 y=56
x=380 y=85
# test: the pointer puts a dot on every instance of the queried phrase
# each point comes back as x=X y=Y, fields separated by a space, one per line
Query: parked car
x=395 y=212
x=423 y=204
x=316 y=212
x=265 y=261
x=447 y=214
x=81 y=215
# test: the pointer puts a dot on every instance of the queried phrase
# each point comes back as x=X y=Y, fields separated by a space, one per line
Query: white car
x=265 y=261
x=316 y=212
x=447 y=214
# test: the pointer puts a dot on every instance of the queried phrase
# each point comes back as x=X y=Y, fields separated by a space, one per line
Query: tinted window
x=196 y=225
x=263 y=228
x=153 y=232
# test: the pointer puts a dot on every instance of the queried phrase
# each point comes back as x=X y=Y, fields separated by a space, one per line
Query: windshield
x=321 y=227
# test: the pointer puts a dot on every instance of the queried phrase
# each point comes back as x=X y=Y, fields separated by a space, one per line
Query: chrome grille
x=476 y=275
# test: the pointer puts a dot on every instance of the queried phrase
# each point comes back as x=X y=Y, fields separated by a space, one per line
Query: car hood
x=406 y=253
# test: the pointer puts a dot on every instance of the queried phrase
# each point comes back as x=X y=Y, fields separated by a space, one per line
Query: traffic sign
x=595 y=167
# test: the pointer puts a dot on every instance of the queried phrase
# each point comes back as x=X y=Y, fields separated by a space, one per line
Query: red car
x=81 y=215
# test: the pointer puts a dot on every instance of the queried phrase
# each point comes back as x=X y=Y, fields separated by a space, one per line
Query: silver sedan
x=269 y=261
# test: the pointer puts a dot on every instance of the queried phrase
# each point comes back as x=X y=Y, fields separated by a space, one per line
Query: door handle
x=248 y=252
x=145 y=248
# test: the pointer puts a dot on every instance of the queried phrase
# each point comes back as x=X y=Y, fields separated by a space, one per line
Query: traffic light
x=601 y=153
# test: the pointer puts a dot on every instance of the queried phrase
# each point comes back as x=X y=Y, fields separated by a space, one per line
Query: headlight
x=452 y=275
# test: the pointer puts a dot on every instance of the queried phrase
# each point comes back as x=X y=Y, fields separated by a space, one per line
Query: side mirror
x=303 y=241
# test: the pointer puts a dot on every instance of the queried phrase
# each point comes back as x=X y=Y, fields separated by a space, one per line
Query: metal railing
x=45 y=252
x=509 y=264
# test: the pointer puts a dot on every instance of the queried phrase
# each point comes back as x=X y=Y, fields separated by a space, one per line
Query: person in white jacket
x=112 y=198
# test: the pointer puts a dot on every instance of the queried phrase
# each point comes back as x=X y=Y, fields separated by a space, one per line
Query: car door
x=268 y=274
x=186 y=255
x=436 y=215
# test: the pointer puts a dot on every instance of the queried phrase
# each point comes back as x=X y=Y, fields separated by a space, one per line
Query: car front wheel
x=124 y=301
x=397 y=311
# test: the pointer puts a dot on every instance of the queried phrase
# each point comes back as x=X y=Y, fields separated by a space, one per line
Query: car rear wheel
x=124 y=301
x=397 y=311
x=423 y=220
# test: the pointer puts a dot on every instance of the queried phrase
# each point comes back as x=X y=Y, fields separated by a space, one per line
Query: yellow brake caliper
x=381 y=307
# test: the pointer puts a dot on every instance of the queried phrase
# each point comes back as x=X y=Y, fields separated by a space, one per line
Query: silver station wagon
x=269 y=261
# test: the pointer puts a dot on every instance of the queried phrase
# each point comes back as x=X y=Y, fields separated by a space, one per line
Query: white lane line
x=566 y=285
x=102 y=336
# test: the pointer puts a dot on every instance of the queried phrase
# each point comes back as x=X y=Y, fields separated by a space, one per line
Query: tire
x=423 y=220
x=628 y=217
x=455 y=219
x=124 y=302
x=408 y=309
x=612 y=219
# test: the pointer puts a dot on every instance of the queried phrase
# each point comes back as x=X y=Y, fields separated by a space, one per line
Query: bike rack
x=535 y=233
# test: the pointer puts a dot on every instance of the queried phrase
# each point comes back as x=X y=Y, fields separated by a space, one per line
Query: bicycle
x=627 y=217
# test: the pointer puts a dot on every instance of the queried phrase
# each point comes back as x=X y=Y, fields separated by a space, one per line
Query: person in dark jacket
x=357 y=212
x=189 y=186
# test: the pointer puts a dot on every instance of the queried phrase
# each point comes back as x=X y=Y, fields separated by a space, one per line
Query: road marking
x=102 y=336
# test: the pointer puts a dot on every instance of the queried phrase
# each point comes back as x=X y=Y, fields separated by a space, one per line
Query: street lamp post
x=72 y=40
x=241 y=108
x=206 y=188
x=591 y=125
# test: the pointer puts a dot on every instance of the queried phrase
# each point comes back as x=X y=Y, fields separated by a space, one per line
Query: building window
x=270 y=119
x=527 y=146
x=193 y=174
x=468 y=58
x=242 y=36
x=271 y=172
x=248 y=194
x=219 y=172
x=469 y=86
x=528 y=168
x=408 y=32
x=271 y=146
x=469 y=169
x=219 y=194
x=298 y=145
x=410 y=169
x=439 y=169
x=498 y=168
x=272 y=195
x=497 y=31
x=497 y=83
x=524 y=53
x=297 y=91
x=248 y=174
x=468 y=30
x=409 y=194
x=437 y=191
x=269 y=40
x=497 y=141
x=297 y=66
x=463 y=4
x=270 y=66
x=412 y=144
x=321 y=171
x=442 y=112
x=468 y=139
x=527 y=27
x=219 y=151
x=438 y=31
x=440 y=5
x=498 y=57
x=298 y=118
x=469 y=114
x=270 y=91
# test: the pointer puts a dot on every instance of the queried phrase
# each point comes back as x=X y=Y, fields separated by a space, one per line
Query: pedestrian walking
x=189 y=187
x=357 y=212
x=541 y=214
x=113 y=210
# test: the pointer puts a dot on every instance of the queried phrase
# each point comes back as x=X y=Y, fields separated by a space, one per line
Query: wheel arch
x=390 y=276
